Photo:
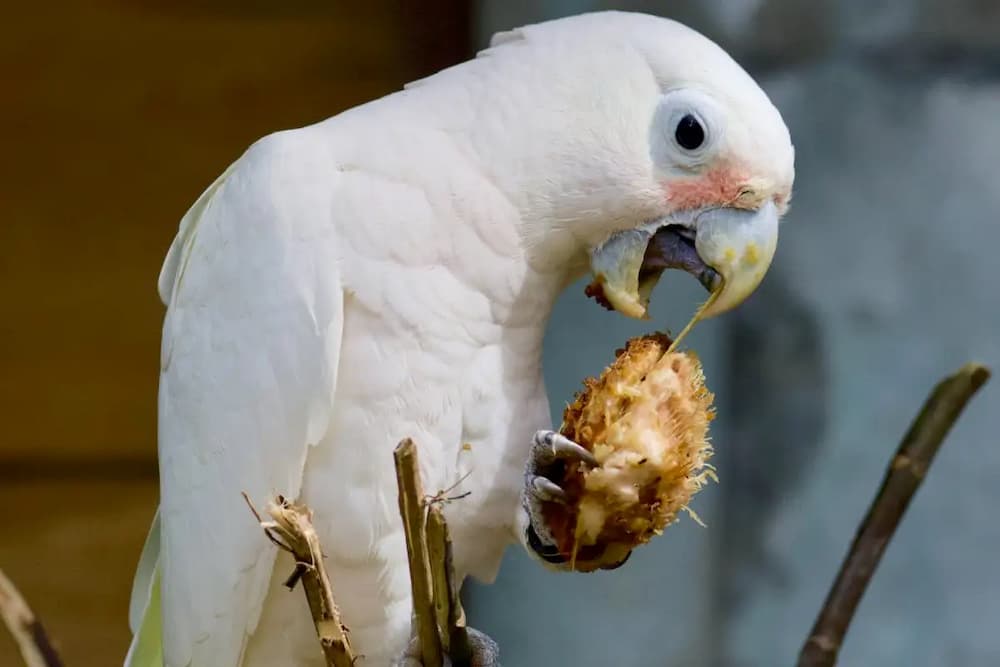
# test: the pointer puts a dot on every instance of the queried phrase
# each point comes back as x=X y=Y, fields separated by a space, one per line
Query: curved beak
x=739 y=245
x=728 y=250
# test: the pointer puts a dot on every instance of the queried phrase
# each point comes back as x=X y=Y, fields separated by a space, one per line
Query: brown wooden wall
x=115 y=115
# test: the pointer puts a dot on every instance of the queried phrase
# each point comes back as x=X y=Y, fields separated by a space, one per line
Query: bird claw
x=548 y=448
x=547 y=490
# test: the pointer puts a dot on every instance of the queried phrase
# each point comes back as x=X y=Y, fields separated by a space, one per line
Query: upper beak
x=731 y=252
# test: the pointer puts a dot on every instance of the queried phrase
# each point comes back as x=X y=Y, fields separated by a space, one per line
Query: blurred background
x=118 y=113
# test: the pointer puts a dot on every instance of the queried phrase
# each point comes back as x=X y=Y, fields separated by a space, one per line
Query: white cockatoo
x=389 y=273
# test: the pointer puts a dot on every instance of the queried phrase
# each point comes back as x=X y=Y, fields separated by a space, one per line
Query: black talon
x=546 y=552
x=617 y=565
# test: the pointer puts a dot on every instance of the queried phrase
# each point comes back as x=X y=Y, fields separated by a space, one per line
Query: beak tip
x=740 y=246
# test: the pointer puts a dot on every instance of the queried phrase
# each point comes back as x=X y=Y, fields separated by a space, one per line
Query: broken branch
x=411 y=508
x=437 y=540
x=27 y=630
x=906 y=471
x=450 y=614
x=291 y=529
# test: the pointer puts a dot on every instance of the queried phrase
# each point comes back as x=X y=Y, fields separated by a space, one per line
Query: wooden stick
x=32 y=640
x=905 y=473
x=437 y=544
x=451 y=615
x=411 y=507
x=291 y=529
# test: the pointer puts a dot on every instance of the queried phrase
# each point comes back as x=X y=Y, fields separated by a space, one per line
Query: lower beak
x=729 y=254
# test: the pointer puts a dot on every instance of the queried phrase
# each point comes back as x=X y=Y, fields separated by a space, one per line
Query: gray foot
x=485 y=653
x=550 y=454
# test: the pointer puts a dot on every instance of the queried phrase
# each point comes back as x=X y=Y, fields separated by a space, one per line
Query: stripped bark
x=291 y=529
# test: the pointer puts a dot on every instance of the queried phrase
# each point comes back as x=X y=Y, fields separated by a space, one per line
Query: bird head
x=641 y=146
x=723 y=166
x=658 y=151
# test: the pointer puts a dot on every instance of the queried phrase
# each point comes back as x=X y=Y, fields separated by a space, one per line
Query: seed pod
x=645 y=419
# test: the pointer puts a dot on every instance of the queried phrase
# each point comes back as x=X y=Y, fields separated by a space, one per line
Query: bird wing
x=249 y=359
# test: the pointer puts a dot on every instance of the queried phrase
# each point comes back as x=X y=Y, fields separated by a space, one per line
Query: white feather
x=251 y=343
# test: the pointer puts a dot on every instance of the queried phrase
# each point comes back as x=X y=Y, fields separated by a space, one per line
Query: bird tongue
x=670 y=249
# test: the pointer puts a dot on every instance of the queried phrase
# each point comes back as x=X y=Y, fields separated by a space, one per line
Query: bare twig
x=27 y=630
x=291 y=529
x=437 y=544
x=904 y=475
x=451 y=616
x=411 y=507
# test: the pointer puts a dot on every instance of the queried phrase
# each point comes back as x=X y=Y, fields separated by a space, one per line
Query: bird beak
x=728 y=250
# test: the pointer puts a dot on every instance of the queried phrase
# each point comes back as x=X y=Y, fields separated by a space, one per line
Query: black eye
x=689 y=133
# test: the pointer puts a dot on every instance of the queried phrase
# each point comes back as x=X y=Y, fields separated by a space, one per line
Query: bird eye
x=689 y=134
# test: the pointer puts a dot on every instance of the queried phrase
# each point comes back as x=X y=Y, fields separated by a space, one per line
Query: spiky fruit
x=646 y=420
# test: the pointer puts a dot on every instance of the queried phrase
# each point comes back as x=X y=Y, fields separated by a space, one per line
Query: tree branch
x=412 y=509
x=438 y=613
x=27 y=630
x=291 y=529
x=437 y=545
x=450 y=614
x=905 y=472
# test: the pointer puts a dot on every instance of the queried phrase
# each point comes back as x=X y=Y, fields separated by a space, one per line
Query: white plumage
x=388 y=273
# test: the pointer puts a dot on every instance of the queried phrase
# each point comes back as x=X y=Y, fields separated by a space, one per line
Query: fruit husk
x=646 y=421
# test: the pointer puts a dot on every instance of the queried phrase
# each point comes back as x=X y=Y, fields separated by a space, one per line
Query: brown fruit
x=646 y=421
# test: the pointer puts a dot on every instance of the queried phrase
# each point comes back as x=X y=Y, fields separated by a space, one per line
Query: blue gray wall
x=885 y=280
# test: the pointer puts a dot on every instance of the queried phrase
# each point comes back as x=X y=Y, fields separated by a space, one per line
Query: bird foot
x=550 y=453
x=485 y=653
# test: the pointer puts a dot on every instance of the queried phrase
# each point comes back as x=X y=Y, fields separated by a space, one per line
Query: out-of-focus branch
x=27 y=630
x=291 y=529
x=906 y=471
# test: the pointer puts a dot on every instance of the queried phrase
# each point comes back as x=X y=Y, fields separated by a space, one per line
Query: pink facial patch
x=720 y=186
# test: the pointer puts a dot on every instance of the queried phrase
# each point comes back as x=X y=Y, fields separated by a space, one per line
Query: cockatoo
x=389 y=273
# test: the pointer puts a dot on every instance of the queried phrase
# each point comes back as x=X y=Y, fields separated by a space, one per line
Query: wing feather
x=249 y=363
